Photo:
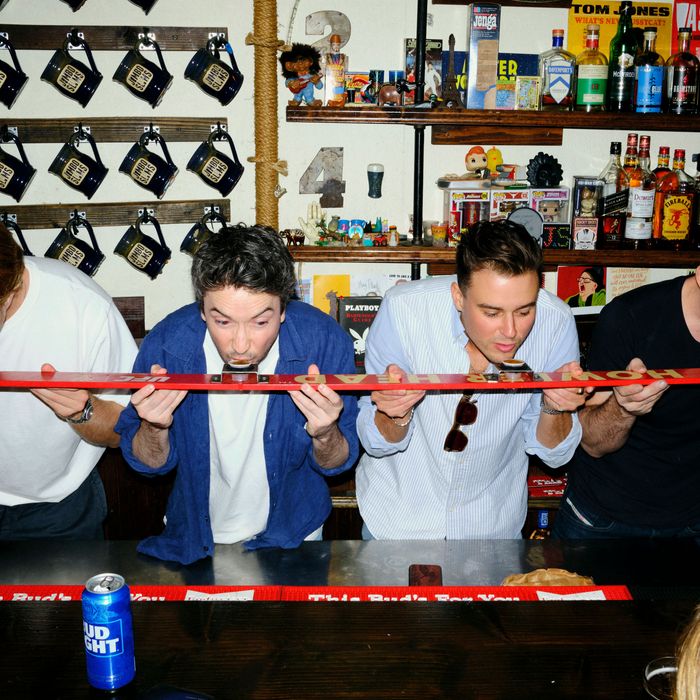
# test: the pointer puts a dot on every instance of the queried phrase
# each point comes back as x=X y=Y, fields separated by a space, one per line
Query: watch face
x=530 y=219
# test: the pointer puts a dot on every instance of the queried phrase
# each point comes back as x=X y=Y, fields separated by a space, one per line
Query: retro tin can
x=108 y=632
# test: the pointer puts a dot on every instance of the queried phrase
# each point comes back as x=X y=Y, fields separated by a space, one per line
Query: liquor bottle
x=662 y=159
x=541 y=532
x=557 y=68
x=674 y=206
x=682 y=75
x=613 y=203
x=695 y=228
x=591 y=74
x=648 y=76
x=631 y=158
x=623 y=50
x=640 y=206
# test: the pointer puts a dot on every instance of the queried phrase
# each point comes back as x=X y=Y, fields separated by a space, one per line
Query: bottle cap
x=644 y=142
x=649 y=30
x=664 y=150
x=679 y=154
x=595 y=28
x=557 y=32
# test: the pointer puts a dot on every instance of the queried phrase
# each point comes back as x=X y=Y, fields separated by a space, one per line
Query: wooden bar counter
x=302 y=650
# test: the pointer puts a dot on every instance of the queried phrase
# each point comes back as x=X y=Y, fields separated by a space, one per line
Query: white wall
x=376 y=42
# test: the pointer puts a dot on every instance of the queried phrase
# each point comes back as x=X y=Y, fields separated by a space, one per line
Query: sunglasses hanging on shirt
x=465 y=414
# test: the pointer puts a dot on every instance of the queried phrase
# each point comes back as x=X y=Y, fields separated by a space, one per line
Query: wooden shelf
x=445 y=256
x=114 y=129
x=459 y=126
x=49 y=216
x=101 y=38
x=512 y=3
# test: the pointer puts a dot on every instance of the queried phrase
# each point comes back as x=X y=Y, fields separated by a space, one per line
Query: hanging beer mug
x=200 y=232
x=141 y=251
x=69 y=75
x=147 y=168
x=13 y=227
x=12 y=77
x=78 y=170
x=215 y=168
x=75 y=5
x=142 y=77
x=15 y=174
x=71 y=249
x=145 y=5
x=213 y=75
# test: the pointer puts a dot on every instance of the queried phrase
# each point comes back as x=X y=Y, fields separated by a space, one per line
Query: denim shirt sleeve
x=129 y=421
x=382 y=349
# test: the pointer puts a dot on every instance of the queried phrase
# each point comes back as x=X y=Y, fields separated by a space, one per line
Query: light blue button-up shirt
x=413 y=489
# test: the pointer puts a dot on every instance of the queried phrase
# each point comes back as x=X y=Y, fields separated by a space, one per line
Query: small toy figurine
x=301 y=69
x=476 y=161
x=549 y=209
x=334 y=74
x=493 y=160
x=589 y=202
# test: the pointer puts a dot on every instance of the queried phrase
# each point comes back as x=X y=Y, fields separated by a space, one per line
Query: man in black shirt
x=637 y=470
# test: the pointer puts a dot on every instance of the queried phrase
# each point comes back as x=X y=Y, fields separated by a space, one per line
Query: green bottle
x=624 y=47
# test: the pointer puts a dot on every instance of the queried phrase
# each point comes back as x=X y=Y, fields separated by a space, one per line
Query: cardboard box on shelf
x=483 y=31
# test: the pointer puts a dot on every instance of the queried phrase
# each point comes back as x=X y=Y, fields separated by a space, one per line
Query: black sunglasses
x=465 y=414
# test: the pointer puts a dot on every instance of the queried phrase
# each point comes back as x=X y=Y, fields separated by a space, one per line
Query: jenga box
x=551 y=203
x=483 y=31
x=503 y=202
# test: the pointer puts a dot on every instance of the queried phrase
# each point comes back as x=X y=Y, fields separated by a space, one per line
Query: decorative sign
x=251 y=381
x=328 y=594
x=328 y=161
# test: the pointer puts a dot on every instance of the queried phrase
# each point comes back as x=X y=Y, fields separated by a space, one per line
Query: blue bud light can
x=108 y=632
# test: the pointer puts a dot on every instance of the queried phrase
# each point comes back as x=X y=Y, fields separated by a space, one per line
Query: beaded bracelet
x=549 y=411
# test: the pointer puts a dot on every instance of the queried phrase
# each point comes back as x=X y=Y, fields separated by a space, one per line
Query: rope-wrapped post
x=267 y=166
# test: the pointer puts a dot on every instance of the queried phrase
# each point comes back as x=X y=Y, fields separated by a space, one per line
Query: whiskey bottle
x=631 y=157
x=640 y=206
x=662 y=159
x=613 y=203
x=648 y=76
x=557 y=68
x=674 y=206
x=623 y=50
x=591 y=74
x=682 y=74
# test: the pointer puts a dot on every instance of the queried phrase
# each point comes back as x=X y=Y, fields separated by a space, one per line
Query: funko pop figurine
x=301 y=69
x=549 y=209
x=476 y=161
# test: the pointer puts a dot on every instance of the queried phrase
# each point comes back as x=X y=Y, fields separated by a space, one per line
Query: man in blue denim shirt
x=250 y=465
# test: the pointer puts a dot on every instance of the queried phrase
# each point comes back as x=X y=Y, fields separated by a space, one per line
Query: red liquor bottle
x=631 y=158
x=662 y=162
x=674 y=206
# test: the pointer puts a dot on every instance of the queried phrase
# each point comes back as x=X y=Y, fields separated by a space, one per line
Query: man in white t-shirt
x=52 y=316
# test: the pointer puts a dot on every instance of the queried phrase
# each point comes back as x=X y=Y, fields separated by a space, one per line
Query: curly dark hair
x=253 y=257
x=502 y=246
x=295 y=53
x=11 y=264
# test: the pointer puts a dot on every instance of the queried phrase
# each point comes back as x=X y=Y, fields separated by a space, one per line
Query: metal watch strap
x=84 y=416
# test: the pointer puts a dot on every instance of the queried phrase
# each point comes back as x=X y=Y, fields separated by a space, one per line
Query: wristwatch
x=84 y=416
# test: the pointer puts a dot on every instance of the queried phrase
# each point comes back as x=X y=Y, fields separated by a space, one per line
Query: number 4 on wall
x=331 y=185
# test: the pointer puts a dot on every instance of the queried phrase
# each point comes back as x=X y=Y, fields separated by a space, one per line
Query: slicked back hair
x=254 y=258
x=502 y=246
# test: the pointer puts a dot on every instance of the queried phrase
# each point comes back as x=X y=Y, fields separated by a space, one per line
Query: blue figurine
x=301 y=69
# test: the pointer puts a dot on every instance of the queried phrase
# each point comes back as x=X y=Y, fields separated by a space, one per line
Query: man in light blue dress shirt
x=439 y=465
